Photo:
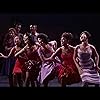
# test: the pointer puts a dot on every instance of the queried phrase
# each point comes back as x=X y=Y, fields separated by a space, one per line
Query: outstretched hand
x=1 y=54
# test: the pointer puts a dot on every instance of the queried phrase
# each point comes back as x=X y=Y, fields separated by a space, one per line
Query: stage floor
x=54 y=83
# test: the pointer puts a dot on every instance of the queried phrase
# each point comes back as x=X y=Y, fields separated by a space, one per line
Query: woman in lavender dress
x=48 y=68
x=83 y=57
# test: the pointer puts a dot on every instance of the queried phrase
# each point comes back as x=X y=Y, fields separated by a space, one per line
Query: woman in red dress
x=17 y=71
x=67 y=71
x=33 y=61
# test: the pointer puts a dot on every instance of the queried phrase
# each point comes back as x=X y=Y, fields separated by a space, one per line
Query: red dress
x=18 y=64
x=32 y=55
x=67 y=70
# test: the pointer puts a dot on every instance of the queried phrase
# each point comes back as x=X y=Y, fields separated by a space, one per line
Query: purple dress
x=87 y=64
x=48 y=68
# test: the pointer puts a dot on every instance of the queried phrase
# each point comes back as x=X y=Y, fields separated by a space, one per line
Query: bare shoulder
x=71 y=46
x=61 y=48
x=77 y=46
x=13 y=48
x=92 y=46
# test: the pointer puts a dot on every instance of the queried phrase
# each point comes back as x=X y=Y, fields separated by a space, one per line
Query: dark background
x=54 y=24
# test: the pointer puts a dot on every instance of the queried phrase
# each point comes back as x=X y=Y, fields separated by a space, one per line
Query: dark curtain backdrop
x=54 y=24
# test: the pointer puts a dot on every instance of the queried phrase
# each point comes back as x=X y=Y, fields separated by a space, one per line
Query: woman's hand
x=1 y=55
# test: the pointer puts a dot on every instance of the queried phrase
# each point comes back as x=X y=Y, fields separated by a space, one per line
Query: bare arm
x=11 y=51
x=96 y=55
x=76 y=61
x=53 y=55
x=54 y=44
x=75 y=56
x=40 y=54
x=72 y=46
x=21 y=51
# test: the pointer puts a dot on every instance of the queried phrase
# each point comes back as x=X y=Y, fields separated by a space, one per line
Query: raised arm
x=53 y=55
x=21 y=51
x=54 y=44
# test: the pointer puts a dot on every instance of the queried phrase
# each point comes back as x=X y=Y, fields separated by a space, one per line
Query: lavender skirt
x=46 y=69
x=90 y=76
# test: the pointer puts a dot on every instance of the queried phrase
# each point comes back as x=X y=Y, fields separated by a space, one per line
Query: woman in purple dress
x=88 y=67
x=48 y=68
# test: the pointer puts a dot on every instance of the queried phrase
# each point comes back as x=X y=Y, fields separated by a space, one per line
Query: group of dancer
x=34 y=60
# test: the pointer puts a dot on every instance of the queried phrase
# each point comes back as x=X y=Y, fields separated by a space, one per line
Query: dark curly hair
x=67 y=35
x=44 y=37
x=87 y=34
